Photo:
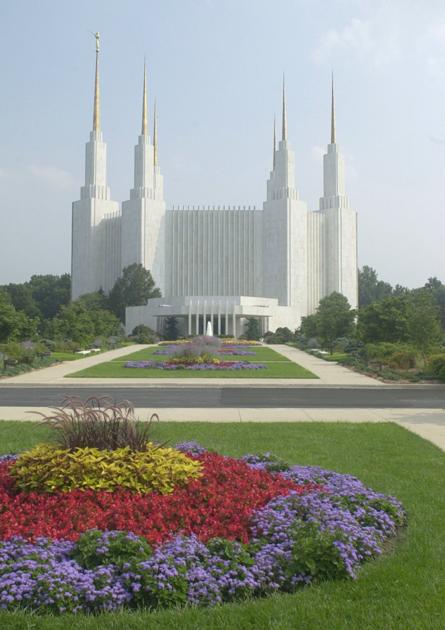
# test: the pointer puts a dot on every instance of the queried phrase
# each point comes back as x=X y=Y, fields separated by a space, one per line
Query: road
x=397 y=397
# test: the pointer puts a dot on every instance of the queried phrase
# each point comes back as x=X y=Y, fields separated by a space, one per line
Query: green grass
x=278 y=366
x=66 y=356
x=403 y=590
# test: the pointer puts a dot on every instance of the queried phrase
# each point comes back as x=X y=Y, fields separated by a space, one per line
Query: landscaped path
x=328 y=373
x=429 y=423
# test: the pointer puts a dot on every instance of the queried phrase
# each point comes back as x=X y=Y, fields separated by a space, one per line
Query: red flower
x=220 y=503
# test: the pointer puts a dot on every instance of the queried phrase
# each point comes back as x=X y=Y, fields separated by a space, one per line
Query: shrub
x=46 y=468
x=98 y=423
x=436 y=366
x=144 y=334
x=97 y=548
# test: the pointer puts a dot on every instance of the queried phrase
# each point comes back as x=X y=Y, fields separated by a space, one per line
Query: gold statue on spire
x=96 y=112
x=144 y=130
x=284 y=122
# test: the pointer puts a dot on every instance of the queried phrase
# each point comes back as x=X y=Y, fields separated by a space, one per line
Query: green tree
x=335 y=319
x=423 y=321
x=14 y=325
x=437 y=289
x=133 y=288
x=308 y=326
x=77 y=322
x=22 y=299
x=50 y=293
x=370 y=288
x=253 y=330
x=384 y=320
x=171 y=329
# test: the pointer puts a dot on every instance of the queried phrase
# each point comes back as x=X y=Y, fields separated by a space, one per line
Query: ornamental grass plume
x=98 y=422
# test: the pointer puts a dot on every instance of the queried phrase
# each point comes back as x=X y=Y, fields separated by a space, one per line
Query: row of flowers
x=196 y=365
x=248 y=527
x=224 y=350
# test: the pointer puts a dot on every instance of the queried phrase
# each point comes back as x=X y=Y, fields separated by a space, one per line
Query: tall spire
x=144 y=104
x=155 y=137
x=332 y=111
x=274 y=141
x=284 y=122
x=96 y=112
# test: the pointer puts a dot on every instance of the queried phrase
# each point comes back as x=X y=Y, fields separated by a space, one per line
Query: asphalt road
x=408 y=397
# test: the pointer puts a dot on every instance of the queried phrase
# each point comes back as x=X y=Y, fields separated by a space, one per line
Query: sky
x=215 y=68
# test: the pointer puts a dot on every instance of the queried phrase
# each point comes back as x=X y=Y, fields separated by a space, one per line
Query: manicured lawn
x=278 y=366
x=403 y=590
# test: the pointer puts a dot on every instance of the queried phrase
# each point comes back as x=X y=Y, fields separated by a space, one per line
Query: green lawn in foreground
x=278 y=366
x=403 y=590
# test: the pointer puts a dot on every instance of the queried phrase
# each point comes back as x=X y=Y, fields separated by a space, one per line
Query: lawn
x=402 y=590
x=278 y=366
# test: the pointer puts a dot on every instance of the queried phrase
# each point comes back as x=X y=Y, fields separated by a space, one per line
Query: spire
x=284 y=123
x=144 y=104
x=96 y=112
x=155 y=137
x=274 y=141
x=332 y=111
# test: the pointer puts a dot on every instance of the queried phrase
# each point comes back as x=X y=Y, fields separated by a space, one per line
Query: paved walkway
x=329 y=373
x=427 y=423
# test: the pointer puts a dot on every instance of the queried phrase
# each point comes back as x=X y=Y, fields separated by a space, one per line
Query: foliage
x=122 y=549
x=133 y=288
x=281 y=335
x=436 y=366
x=77 y=322
x=437 y=289
x=144 y=334
x=253 y=330
x=423 y=321
x=171 y=329
x=370 y=289
x=14 y=325
x=384 y=320
x=243 y=533
x=335 y=319
x=98 y=423
x=309 y=326
x=49 y=469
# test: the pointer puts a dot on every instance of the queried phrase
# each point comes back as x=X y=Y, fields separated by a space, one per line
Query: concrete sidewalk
x=328 y=373
x=427 y=423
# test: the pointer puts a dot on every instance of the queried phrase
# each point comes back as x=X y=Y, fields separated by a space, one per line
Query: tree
x=171 y=329
x=50 y=293
x=14 y=325
x=423 y=321
x=308 y=326
x=370 y=288
x=133 y=288
x=335 y=319
x=437 y=289
x=22 y=299
x=78 y=323
x=384 y=320
x=253 y=330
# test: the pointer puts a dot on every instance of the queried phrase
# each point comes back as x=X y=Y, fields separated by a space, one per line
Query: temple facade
x=220 y=264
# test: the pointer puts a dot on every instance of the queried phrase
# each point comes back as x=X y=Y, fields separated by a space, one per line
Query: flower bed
x=220 y=365
x=245 y=528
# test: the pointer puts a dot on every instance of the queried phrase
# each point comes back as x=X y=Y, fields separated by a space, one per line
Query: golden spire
x=274 y=141
x=155 y=137
x=144 y=130
x=332 y=112
x=284 y=122
x=96 y=112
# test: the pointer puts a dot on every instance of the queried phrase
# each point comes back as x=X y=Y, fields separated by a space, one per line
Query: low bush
x=436 y=366
x=144 y=334
x=47 y=468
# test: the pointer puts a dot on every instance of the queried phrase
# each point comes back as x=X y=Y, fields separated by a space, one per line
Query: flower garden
x=146 y=525
x=200 y=357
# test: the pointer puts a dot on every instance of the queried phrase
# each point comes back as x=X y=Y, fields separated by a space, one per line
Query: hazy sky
x=215 y=68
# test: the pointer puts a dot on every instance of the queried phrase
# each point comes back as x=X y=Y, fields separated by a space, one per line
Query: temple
x=220 y=264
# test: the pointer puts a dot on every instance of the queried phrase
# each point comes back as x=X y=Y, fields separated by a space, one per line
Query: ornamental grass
x=98 y=422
